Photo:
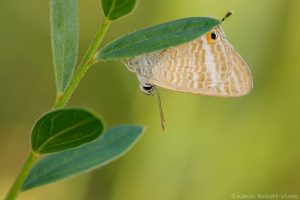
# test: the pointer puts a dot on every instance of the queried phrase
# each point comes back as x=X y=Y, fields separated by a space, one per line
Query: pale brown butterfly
x=208 y=65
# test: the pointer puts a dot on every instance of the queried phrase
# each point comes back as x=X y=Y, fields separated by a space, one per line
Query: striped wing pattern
x=203 y=66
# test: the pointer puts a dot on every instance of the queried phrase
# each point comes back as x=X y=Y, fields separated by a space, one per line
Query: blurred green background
x=212 y=147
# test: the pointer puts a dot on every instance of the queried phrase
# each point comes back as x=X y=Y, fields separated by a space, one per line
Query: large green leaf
x=114 y=9
x=157 y=37
x=113 y=144
x=64 y=36
x=64 y=129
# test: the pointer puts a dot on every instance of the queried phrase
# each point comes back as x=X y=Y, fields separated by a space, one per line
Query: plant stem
x=16 y=187
x=87 y=61
x=61 y=100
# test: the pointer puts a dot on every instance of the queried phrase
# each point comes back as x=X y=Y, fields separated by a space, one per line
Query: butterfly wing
x=203 y=66
x=239 y=82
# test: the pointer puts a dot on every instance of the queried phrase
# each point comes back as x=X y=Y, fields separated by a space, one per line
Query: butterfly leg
x=148 y=88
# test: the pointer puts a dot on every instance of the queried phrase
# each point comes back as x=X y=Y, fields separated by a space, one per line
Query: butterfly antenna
x=228 y=14
x=125 y=63
x=162 y=119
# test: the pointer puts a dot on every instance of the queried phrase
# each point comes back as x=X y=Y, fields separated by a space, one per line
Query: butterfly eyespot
x=214 y=35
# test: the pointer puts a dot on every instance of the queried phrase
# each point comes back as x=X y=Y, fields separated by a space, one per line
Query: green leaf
x=114 y=9
x=64 y=129
x=64 y=36
x=157 y=37
x=113 y=144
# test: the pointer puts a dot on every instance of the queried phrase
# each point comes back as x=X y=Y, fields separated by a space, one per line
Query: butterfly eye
x=147 y=88
x=214 y=35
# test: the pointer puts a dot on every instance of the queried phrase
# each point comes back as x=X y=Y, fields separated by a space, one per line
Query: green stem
x=16 y=187
x=61 y=100
x=87 y=61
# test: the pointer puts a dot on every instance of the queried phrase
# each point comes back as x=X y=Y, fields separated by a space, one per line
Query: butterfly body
x=208 y=65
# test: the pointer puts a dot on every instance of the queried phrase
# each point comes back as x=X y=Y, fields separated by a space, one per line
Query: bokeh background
x=212 y=147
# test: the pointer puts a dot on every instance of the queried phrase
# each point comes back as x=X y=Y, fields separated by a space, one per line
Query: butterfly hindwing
x=203 y=66
x=239 y=82
x=208 y=65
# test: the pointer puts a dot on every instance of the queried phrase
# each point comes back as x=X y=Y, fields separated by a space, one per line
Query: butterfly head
x=146 y=88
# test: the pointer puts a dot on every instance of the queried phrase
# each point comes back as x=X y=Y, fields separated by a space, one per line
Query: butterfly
x=208 y=65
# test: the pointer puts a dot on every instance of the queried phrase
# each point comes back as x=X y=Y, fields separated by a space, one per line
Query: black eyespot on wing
x=213 y=35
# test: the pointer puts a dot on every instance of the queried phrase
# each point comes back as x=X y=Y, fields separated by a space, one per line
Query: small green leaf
x=114 y=9
x=157 y=37
x=113 y=144
x=64 y=129
x=64 y=36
